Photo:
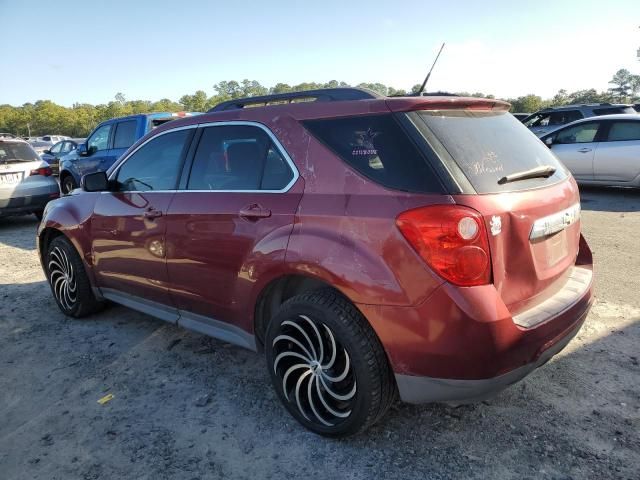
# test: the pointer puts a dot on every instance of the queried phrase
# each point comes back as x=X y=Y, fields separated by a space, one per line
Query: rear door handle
x=152 y=213
x=584 y=150
x=255 y=211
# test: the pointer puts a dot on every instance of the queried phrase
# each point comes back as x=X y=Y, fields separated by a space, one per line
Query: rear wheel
x=327 y=365
x=68 y=184
x=68 y=280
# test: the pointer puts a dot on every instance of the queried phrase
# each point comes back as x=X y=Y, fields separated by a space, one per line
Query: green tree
x=622 y=81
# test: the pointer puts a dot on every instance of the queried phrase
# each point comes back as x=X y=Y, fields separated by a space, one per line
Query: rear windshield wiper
x=543 y=171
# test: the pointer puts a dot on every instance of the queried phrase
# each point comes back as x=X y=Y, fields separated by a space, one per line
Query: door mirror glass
x=548 y=141
x=95 y=182
x=48 y=152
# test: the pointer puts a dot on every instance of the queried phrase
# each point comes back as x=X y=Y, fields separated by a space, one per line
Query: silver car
x=601 y=150
x=26 y=184
x=550 y=119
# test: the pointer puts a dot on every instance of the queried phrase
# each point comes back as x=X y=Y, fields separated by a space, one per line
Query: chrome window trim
x=283 y=152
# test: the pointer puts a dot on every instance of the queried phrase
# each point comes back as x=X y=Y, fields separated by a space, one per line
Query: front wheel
x=68 y=280
x=68 y=185
x=327 y=365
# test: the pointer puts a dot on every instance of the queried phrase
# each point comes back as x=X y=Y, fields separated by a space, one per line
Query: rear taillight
x=44 y=171
x=452 y=240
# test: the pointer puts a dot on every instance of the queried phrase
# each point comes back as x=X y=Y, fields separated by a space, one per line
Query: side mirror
x=48 y=152
x=95 y=182
x=548 y=141
x=83 y=151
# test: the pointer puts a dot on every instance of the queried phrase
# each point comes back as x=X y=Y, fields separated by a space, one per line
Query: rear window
x=613 y=110
x=17 y=152
x=488 y=146
x=378 y=148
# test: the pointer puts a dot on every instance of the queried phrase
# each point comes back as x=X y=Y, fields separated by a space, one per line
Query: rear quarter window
x=377 y=147
x=487 y=146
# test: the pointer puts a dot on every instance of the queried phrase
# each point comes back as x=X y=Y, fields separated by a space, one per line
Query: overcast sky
x=79 y=51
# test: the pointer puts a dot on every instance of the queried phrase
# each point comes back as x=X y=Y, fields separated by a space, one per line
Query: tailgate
x=534 y=239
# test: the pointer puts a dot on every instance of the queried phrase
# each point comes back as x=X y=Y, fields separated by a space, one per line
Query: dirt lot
x=186 y=406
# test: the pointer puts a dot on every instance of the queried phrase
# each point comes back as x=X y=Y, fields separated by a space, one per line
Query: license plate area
x=10 y=178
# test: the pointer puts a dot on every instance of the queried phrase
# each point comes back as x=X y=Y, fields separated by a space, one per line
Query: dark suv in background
x=549 y=119
x=106 y=143
x=426 y=246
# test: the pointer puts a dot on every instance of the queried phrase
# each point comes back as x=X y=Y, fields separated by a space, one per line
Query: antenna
x=426 y=79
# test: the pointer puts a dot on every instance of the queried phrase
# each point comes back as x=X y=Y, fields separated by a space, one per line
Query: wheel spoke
x=304 y=334
x=344 y=398
x=286 y=376
x=312 y=405
x=287 y=354
x=302 y=377
x=288 y=338
x=325 y=404
x=315 y=329
x=344 y=374
x=333 y=348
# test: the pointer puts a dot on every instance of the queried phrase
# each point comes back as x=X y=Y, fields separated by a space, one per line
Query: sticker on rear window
x=364 y=143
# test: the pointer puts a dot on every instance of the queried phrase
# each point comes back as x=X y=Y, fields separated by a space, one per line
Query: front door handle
x=584 y=150
x=152 y=213
x=254 y=211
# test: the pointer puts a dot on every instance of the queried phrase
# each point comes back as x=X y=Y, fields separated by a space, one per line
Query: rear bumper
x=414 y=389
x=26 y=204
x=463 y=344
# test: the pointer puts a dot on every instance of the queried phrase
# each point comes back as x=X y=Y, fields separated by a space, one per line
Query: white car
x=26 y=184
x=601 y=150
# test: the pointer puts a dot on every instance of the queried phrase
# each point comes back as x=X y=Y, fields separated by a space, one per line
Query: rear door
x=129 y=223
x=231 y=220
x=529 y=263
x=617 y=158
x=575 y=146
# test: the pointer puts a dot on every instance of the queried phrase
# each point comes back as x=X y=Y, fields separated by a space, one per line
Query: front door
x=231 y=221
x=129 y=222
x=575 y=147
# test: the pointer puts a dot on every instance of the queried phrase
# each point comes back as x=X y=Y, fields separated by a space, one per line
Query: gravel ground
x=186 y=406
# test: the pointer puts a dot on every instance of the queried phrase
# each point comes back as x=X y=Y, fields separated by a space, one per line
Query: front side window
x=56 y=148
x=125 y=135
x=583 y=133
x=624 y=131
x=377 y=147
x=156 y=165
x=238 y=157
x=100 y=139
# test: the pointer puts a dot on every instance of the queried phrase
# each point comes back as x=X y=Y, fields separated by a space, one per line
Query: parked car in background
x=7 y=135
x=636 y=107
x=521 y=116
x=600 y=151
x=52 y=155
x=53 y=138
x=550 y=119
x=26 y=184
x=40 y=146
x=369 y=245
x=106 y=143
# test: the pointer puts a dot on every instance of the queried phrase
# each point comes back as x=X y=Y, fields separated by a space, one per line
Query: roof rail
x=319 y=95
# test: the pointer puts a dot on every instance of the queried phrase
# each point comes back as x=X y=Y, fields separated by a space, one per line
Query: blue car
x=106 y=143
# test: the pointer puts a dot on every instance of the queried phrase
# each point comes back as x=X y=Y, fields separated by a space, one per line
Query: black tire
x=322 y=398
x=68 y=185
x=68 y=279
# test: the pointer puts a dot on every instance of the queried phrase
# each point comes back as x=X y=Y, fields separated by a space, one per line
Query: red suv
x=423 y=246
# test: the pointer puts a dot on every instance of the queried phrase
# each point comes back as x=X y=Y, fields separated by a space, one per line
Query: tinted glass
x=156 y=165
x=57 y=147
x=378 y=148
x=622 y=131
x=583 y=133
x=17 y=152
x=613 y=110
x=538 y=120
x=238 y=157
x=100 y=138
x=488 y=146
x=125 y=134
x=564 y=116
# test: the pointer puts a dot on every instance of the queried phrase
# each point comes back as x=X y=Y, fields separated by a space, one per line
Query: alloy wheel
x=62 y=278
x=315 y=371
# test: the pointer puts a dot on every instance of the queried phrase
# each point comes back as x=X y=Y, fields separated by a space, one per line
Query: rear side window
x=156 y=165
x=488 y=146
x=377 y=147
x=125 y=134
x=622 y=131
x=236 y=158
